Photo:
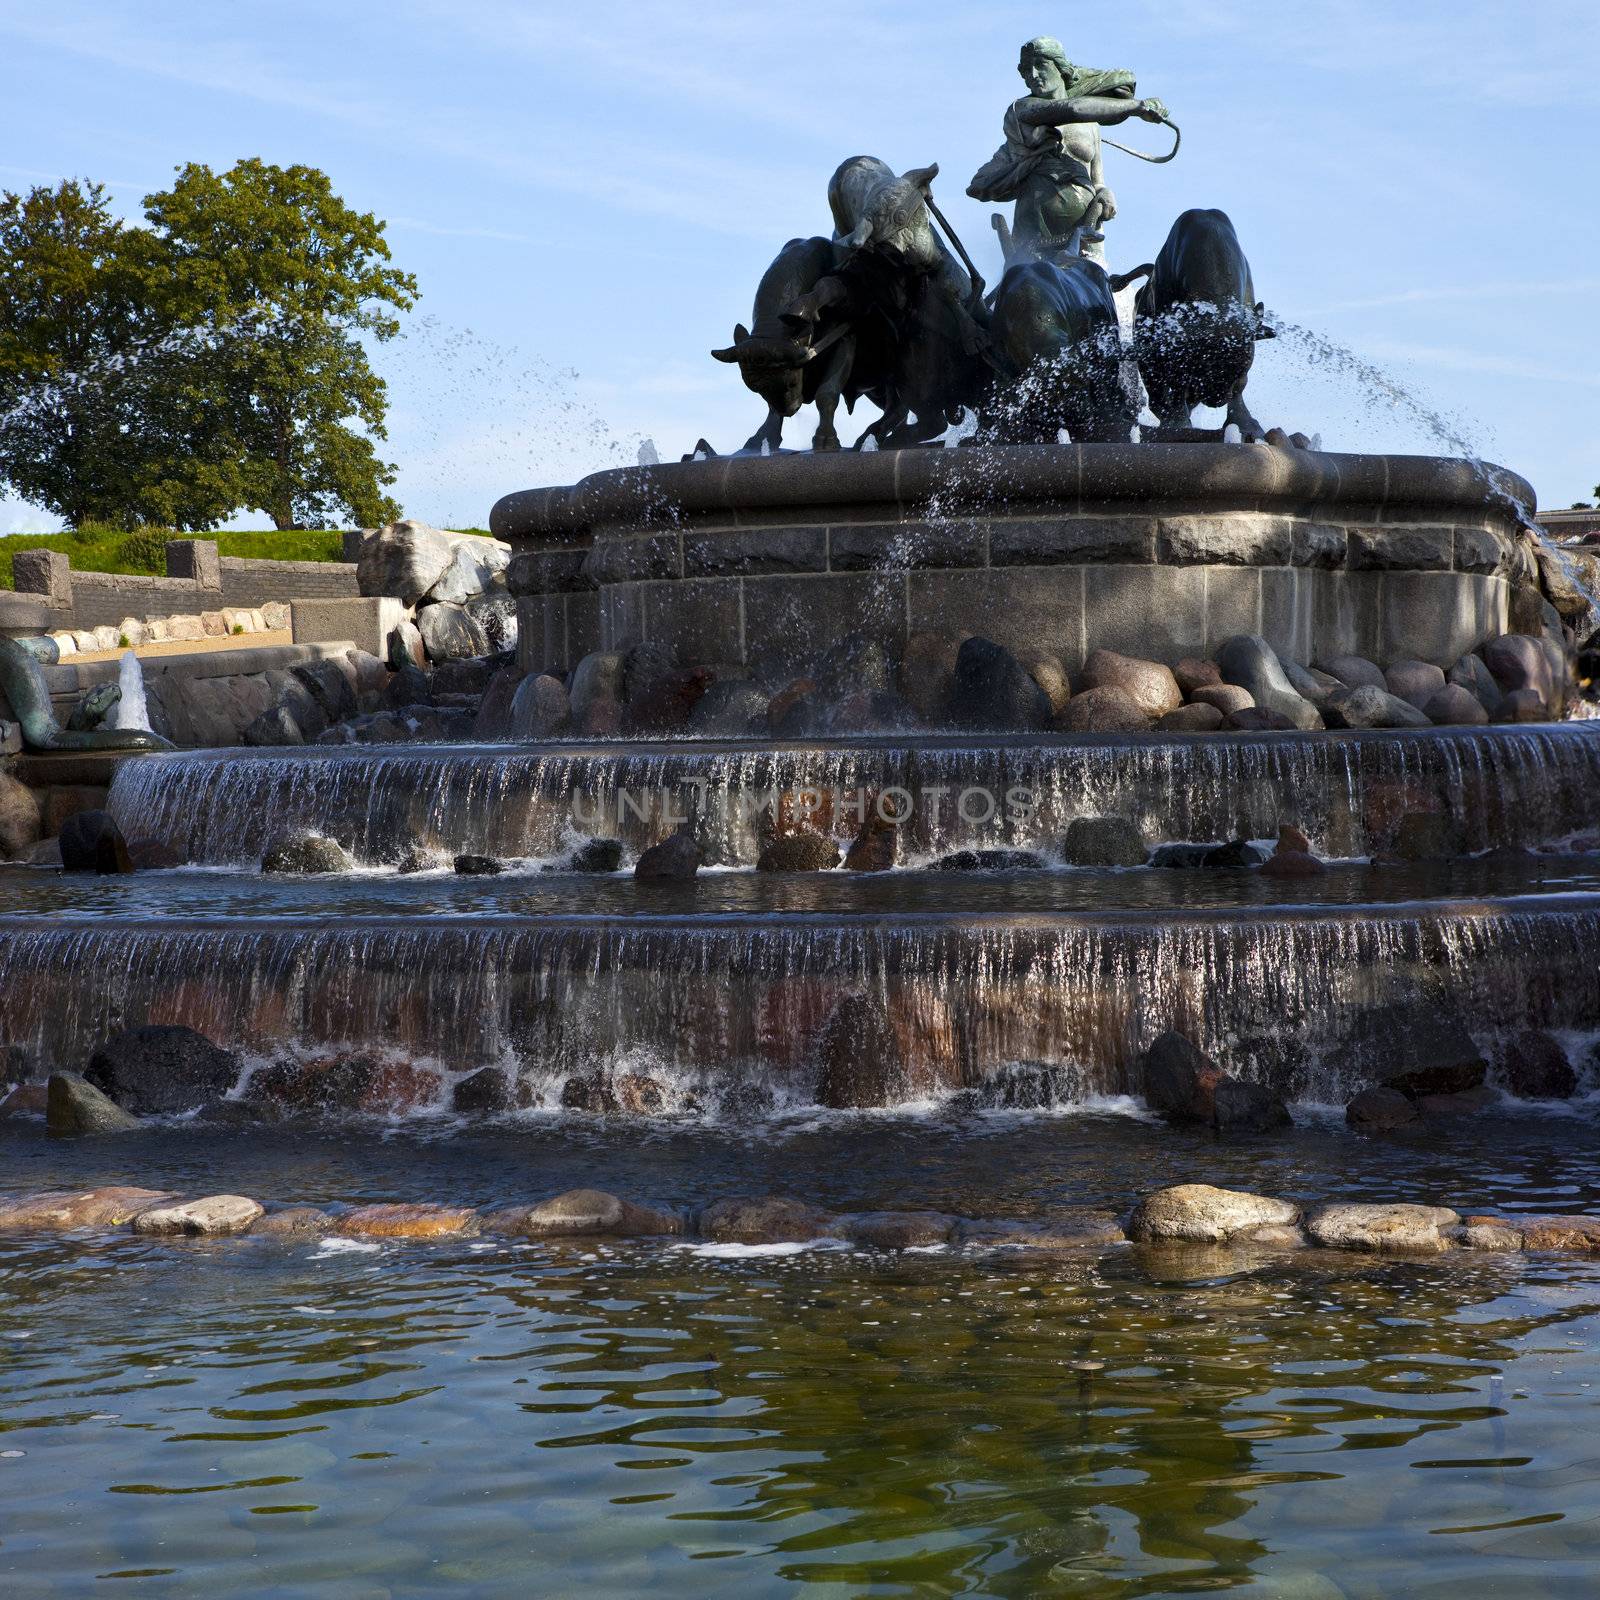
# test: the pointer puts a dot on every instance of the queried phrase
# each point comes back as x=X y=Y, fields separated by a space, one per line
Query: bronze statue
x=1050 y=163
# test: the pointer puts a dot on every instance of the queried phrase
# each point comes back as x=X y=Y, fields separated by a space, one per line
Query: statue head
x=1044 y=66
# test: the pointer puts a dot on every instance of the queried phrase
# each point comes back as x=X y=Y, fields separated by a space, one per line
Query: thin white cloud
x=1452 y=359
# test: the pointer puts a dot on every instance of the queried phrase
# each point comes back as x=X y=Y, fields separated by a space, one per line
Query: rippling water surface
x=489 y=1417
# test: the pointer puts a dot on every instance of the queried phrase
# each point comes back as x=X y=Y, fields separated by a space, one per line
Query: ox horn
x=922 y=176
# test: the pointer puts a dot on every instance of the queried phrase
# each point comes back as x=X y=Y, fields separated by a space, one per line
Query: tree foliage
x=210 y=360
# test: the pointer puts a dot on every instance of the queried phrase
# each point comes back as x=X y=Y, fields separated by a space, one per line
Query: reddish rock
x=400 y=1221
x=1226 y=697
x=639 y=1095
x=1519 y=661
x=1256 y=719
x=1179 y=1080
x=881 y=1052
x=876 y=847
x=1577 y=1234
x=1194 y=673
x=81 y=1208
x=1523 y=705
x=1416 y=682
x=1108 y=710
x=26 y=1100
x=1195 y=718
x=1293 y=838
x=926 y=671
x=1149 y=684
x=786 y=699
x=583 y=1213
x=1462 y=1103
x=1292 y=864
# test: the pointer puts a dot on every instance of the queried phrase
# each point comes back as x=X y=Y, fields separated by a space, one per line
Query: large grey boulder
x=1104 y=842
x=158 y=1070
x=275 y=726
x=1354 y=672
x=73 y=1105
x=990 y=689
x=1367 y=707
x=540 y=708
x=1392 y=1229
x=404 y=559
x=677 y=857
x=1197 y=1213
x=495 y=611
x=1416 y=681
x=584 y=1212
x=304 y=853
x=450 y=634
x=597 y=685
x=213 y=1216
x=1249 y=661
x=328 y=687
x=465 y=577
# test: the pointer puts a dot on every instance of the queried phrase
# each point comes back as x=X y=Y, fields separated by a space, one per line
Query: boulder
x=540 y=708
x=1522 y=705
x=876 y=847
x=639 y=1095
x=215 y=1215
x=1249 y=661
x=464 y=577
x=1149 y=684
x=404 y=559
x=495 y=611
x=676 y=857
x=305 y=853
x=589 y=1092
x=729 y=709
x=857 y=663
x=1225 y=697
x=1236 y=853
x=1578 y=1234
x=765 y=1219
x=1195 y=718
x=409 y=686
x=1535 y=1067
x=405 y=646
x=869 y=1057
x=1194 y=673
x=484 y=1092
x=420 y=858
x=1257 y=719
x=469 y=865
x=584 y=1213
x=1455 y=707
x=1197 y=1213
x=19 y=818
x=991 y=690
x=1394 y=1229
x=1415 y=681
x=293 y=1222
x=328 y=687
x=991 y=860
x=1179 y=1080
x=1416 y=1049
x=111 y=1207
x=1104 y=842
x=1519 y=661
x=449 y=634
x=1046 y=671
x=162 y=1069
x=1292 y=838
x=74 y=1105
x=1464 y=1103
x=1242 y=1109
x=594 y=855
x=1377 y=1110
x=596 y=689
x=92 y=842
x=799 y=852
x=1470 y=673
x=894 y=1230
x=407 y=1222
x=492 y=720
x=927 y=670
x=1355 y=672
x=1069 y=1229
x=664 y=703
x=1309 y=683
x=1367 y=707
x=1292 y=864
x=1108 y=710
x=275 y=726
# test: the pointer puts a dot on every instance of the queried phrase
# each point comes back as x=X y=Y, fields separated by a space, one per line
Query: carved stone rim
x=933 y=482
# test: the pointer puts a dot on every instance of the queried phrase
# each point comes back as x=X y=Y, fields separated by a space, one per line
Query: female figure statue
x=1050 y=164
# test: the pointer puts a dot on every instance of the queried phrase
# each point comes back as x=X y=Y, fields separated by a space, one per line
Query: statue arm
x=1101 y=109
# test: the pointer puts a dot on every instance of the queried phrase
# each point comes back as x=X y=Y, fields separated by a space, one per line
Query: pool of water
x=488 y=1417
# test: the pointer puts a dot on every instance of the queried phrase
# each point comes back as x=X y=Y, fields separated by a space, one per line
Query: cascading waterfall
x=1499 y=786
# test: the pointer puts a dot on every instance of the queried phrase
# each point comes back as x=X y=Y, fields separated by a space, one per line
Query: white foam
x=742 y=1252
x=336 y=1246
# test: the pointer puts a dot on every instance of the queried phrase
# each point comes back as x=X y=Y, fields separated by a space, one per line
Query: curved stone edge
x=1252 y=477
x=1181 y=1216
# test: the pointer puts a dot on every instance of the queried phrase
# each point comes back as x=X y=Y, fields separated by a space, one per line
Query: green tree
x=281 y=279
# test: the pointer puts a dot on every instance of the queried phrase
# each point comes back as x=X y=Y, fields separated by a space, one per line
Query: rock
x=1236 y=853
x=92 y=842
x=1470 y=673
x=493 y=718
x=639 y=1095
x=589 y=1092
x=1195 y=718
x=449 y=634
x=768 y=1219
x=1518 y=661
x=1355 y=672
x=1249 y=661
x=409 y=686
x=1104 y=842
x=995 y=860
x=1367 y=707
x=1256 y=719
x=1270 y=1236
x=484 y=1092
x=1180 y=857
x=676 y=857
x=25 y=1100
x=1149 y=684
x=1535 y=1067
x=475 y=866
x=215 y=1215
x=419 y=858
x=1377 y=1110
x=19 y=818
x=991 y=690
x=1292 y=838
x=869 y=1055
x=664 y=704
x=305 y=853
x=275 y=726
x=407 y=1222
x=464 y=577
x=594 y=855
x=1244 y=1108
x=1523 y=705
x=403 y=559
x=799 y=852
x=74 y=1105
x=596 y=689
x=1179 y=1080
x=405 y=646
x=111 y=1207
x=1392 y=1229
x=927 y=670
x=801 y=691
x=802 y=717
x=1194 y=673
x=293 y=1222
x=495 y=611
x=894 y=1230
x=1292 y=864
x=876 y=847
x=159 y=1069
x=1102 y=711
x=584 y=1213
x=1046 y=671
x=1455 y=707
x=1070 y=1229
x=730 y=709
x=1464 y=1103
x=1197 y=1213
x=1225 y=697
x=1578 y=1234
x=1415 y=1049
x=1310 y=684
x=328 y=687
x=1414 y=681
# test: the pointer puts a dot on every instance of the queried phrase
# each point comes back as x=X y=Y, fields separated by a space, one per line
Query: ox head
x=773 y=366
x=894 y=217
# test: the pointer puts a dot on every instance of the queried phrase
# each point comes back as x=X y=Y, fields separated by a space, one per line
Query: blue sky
x=587 y=194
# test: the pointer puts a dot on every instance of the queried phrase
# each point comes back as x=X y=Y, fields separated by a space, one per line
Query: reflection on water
x=244 y=1418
